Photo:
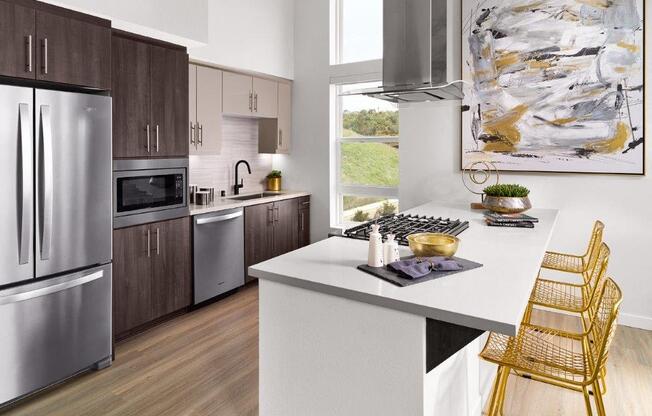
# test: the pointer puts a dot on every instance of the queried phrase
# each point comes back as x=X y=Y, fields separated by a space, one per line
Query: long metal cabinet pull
x=149 y=243
x=192 y=134
x=201 y=135
x=256 y=102
x=60 y=287
x=226 y=217
x=158 y=242
x=280 y=137
x=302 y=215
x=277 y=216
x=47 y=176
x=45 y=56
x=29 y=53
x=26 y=163
x=251 y=100
x=157 y=138
x=148 y=138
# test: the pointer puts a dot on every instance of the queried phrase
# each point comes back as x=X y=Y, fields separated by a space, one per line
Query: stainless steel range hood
x=419 y=47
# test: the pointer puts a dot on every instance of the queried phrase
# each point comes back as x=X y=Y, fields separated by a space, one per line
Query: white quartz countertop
x=491 y=298
x=221 y=204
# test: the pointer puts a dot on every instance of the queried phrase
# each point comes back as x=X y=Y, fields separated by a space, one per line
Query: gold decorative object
x=274 y=184
x=571 y=361
x=506 y=204
x=433 y=244
x=478 y=175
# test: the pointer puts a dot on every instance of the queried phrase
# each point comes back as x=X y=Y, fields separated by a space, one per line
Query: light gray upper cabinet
x=205 y=128
x=274 y=135
x=237 y=98
x=248 y=96
x=265 y=98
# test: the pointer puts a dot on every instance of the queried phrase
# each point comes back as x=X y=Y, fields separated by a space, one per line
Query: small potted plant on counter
x=506 y=199
x=274 y=181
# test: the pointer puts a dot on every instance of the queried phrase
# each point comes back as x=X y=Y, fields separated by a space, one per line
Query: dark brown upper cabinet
x=130 y=91
x=169 y=101
x=18 y=34
x=50 y=43
x=150 y=97
x=73 y=48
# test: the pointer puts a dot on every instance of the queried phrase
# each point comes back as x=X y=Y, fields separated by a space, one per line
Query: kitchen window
x=367 y=149
x=359 y=30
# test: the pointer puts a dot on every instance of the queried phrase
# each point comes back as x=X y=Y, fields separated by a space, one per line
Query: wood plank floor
x=206 y=363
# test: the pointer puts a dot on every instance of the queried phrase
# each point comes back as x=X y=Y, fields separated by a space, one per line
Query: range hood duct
x=418 y=46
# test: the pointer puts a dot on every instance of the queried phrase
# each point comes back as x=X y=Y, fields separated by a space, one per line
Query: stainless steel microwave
x=149 y=190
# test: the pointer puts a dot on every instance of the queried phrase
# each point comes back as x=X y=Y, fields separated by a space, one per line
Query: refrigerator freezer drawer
x=52 y=329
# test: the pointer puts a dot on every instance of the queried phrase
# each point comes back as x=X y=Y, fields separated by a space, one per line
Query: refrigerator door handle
x=48 y=290
x=47 y=182
x=26 y=203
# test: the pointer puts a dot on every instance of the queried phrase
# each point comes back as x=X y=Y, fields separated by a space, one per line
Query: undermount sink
x=254 y=196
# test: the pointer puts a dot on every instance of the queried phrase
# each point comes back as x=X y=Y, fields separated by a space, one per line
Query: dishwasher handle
x=218 y=218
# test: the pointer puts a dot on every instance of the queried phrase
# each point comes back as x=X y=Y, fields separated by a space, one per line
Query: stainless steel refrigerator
x=55 y=237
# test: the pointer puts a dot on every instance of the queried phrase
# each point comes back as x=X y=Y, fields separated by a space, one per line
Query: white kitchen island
x=337 y=341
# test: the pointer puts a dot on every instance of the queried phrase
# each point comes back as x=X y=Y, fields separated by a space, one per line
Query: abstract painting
x=554 y=85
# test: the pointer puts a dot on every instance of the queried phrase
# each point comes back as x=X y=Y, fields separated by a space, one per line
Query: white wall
x=257 y=35
x=182 y=22
x=307 y=167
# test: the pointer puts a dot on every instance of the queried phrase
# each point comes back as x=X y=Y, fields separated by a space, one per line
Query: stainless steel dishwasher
x=218 y=253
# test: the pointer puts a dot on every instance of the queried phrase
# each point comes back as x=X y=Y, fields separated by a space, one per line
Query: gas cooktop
x=402 y=225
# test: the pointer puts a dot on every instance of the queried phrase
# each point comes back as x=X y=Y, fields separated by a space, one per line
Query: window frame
x=337 y=36
x=341 y=189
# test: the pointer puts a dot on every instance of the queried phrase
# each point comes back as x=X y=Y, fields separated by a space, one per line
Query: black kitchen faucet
x=238 y=185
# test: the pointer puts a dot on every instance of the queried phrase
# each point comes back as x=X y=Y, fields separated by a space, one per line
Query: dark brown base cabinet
x=152 y=274
x=150 y=97
x=49 y=43
x=274 y=229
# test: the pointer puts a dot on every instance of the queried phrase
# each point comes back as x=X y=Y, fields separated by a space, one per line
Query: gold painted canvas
x=557 y=85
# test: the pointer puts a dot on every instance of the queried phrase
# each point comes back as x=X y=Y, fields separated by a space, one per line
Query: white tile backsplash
x=240 y=141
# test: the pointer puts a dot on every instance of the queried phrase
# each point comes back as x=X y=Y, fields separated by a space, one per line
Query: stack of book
x=495 y=219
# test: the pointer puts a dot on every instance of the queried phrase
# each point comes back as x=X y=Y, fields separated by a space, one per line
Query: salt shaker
x=390 y=250
x=375 y=258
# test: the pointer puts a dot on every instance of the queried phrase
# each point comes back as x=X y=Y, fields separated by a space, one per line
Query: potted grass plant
x=274 y=181
x=506 y=198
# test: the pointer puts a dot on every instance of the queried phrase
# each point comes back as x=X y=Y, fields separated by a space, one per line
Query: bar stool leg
x=603 y=375
x=587 y=401
x=495 y=391
x=503 y=389
x=598 y=398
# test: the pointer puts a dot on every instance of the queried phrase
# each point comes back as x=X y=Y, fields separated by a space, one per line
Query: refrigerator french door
x=55 y=239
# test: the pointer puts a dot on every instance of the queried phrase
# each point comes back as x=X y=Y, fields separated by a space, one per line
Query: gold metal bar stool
x=570 y=297
x=571 y=263
x=568 y=360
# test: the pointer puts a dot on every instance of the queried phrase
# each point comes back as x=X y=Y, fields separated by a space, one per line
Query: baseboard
x=635 y=321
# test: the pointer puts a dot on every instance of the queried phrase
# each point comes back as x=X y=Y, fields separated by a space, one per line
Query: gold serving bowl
x=433 y=244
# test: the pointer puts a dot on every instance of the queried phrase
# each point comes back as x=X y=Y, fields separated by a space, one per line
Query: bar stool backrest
x=593 y=250
x=598 y=272
x=603 y=326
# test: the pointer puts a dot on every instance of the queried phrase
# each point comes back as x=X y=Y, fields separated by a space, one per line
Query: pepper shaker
x=375 y=257
x=390 y=250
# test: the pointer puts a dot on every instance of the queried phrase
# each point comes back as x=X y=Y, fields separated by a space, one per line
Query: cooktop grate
x=402 y=225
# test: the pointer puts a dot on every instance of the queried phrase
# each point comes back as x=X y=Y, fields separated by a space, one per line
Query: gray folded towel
x=416 y=268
